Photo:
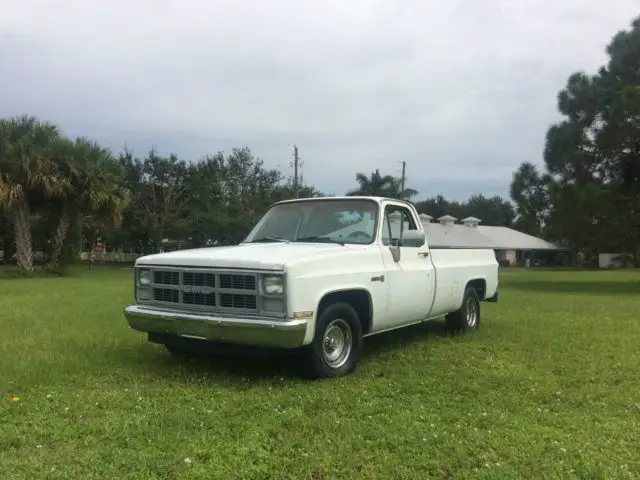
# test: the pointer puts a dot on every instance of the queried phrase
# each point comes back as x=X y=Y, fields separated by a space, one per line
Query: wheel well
x=480 y=285
x=359 y=299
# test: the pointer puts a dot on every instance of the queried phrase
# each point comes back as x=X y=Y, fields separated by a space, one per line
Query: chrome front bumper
x=258 y=332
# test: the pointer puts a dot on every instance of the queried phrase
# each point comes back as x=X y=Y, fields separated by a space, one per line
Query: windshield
x=330 y=221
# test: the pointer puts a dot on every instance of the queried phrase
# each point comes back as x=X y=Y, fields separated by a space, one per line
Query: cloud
x=461 y=91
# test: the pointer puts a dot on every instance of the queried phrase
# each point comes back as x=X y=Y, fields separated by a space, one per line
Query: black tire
x=468 y=316
x=341 y=323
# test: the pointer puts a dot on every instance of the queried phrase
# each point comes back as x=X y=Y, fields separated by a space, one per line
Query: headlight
x=272 y=285
x=145 y=277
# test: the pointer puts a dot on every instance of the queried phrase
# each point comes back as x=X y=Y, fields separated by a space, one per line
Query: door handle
x=423 y=254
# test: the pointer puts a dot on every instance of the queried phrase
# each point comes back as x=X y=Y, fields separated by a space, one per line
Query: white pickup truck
x=316 y=275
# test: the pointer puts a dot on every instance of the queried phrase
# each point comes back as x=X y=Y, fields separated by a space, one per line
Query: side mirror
x=413 y=238
x=410 y=238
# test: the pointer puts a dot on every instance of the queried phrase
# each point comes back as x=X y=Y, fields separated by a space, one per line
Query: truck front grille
x=211 y=289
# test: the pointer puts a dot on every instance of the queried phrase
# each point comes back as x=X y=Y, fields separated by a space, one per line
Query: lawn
x=549 y=387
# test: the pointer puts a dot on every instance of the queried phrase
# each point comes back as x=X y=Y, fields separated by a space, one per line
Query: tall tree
x=529 y=191
x=92 y=188
x=227 y=195
x=589 y=195
x=28 y=176
x=159 y=196
x=380 y=185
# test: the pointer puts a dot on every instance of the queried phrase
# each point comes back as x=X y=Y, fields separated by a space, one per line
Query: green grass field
x=548 y=388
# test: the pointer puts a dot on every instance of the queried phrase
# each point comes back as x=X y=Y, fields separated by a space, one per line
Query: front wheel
x=337 y=343
x=468 y=316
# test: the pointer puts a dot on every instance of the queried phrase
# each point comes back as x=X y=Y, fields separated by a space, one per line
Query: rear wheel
x=468 y=316
x=337 y=343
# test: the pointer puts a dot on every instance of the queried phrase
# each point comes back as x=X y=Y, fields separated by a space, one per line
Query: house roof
x=462 y=236
x=455 y=235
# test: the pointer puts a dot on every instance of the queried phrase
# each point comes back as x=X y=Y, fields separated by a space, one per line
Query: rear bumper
x=243 y=331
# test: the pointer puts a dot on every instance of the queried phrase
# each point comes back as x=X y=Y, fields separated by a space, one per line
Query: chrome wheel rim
x=471 y=311
x=336 y=343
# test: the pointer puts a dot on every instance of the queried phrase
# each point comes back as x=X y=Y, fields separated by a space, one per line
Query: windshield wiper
x=319 y=240
x=270 y=239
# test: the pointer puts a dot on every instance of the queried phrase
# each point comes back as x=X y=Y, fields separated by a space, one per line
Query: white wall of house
x=510 y=256
x=614 y=260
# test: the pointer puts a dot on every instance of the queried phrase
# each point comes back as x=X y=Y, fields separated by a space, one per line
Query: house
x=615 y=260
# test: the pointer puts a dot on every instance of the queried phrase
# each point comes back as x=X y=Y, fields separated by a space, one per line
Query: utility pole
x=296 y=160
x=404 y=174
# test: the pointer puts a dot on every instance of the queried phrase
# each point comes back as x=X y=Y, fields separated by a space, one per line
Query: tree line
x=59 y=195
x=587 y=195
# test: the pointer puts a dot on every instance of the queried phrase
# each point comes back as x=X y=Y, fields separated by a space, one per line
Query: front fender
x=328 y=290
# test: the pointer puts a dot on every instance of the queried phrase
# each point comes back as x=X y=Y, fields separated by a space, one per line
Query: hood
x=263 y=256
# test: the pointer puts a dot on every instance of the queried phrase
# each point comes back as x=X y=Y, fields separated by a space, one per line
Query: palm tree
x=28 y=177
x=93 y=188
x=381 y=186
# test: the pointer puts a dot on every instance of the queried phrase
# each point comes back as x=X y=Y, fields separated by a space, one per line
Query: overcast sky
x=463 y=91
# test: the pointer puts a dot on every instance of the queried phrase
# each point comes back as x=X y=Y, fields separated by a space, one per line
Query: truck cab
x=314 y=275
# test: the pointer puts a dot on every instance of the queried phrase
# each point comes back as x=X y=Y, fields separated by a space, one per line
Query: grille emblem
x=197 y=289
